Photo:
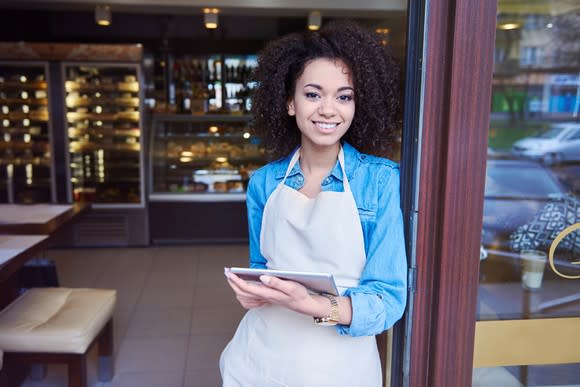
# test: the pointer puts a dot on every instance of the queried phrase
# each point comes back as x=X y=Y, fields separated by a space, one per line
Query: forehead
x=326 y=70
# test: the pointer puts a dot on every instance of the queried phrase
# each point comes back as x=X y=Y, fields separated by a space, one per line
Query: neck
x=318 y=160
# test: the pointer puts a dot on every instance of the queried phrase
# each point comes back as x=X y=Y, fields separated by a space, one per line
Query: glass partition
x=103 y=112
x=26 y=166
x=530 y=253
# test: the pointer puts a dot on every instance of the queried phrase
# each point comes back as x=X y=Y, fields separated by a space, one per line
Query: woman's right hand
x=246 y=299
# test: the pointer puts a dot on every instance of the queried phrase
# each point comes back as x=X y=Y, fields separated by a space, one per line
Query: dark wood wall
x=457 y=89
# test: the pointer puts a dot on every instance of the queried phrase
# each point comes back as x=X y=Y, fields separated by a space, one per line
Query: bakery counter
x=198 y=218
x=199 y=168
x=198 y=197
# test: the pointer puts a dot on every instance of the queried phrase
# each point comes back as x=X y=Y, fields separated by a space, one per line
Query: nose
x=326 y=107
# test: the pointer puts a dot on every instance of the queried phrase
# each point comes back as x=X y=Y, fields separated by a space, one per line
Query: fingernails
x=266 y=279
x=227 y=272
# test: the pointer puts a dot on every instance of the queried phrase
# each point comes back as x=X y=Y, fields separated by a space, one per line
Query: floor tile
x=114 y=278
x=203 y=378
x=210 y=275
x=131 y=261
x=183 y=258
x=204 y=351
x=221 y=295
x=151 y=354
x=223 y=254
x=146 y=379
x=166 y=323
x=216 y=320
x=165 y=298
x=173 y=278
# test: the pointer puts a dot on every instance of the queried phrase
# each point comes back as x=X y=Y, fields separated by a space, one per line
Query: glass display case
x=26 y=173
x=188 y=84
x=203 y=156
x=103 y=114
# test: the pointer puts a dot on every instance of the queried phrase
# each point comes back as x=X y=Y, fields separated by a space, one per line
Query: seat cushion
x=55 y=320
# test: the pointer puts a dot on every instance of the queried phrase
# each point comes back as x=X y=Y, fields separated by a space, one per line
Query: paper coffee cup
x=533 y=265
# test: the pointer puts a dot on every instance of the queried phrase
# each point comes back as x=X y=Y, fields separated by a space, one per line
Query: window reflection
x=532 y=189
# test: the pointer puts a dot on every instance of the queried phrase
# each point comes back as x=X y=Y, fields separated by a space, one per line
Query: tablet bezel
x=313 y=281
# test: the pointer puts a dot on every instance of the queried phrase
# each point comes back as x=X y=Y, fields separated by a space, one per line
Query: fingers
x=285 y=286
x=246 y=287
x=272 y=290
x=248 y=300
x=241 y=290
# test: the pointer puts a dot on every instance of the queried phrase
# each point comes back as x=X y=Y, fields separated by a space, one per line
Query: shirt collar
x=351 y=161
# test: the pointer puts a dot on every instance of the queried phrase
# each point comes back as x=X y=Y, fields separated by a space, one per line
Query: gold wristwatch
x=331 y=319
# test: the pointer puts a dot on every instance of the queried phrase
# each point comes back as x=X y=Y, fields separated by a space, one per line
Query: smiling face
x=323 y=102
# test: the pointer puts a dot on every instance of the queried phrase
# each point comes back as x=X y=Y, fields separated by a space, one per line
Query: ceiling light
x=210 y=18
x=103 y=15
x=383 y=35
x=314 y=21
x=508 y=26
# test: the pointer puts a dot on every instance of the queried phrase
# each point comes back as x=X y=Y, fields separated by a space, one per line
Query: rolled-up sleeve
x=379 y=299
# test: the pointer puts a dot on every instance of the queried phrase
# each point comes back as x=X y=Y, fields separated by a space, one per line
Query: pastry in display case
x=26 y=173
x=205 y=154
x=103 y=113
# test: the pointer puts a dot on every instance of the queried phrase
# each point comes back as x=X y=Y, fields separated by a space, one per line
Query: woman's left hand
x=289 y=294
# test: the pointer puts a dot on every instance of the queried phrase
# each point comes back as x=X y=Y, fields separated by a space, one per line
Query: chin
x=322 y=142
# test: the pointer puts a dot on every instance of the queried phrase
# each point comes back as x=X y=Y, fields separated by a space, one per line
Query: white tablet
x=316 y=282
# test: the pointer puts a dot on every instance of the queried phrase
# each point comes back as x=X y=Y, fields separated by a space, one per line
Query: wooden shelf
x=201 y=118
x=14 y=85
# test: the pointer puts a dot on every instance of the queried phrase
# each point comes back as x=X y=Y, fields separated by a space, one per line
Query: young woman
x=324 y=207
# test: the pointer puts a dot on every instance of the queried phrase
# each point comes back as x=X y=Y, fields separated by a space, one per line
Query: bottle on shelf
x=186 y=93
x=173 y=96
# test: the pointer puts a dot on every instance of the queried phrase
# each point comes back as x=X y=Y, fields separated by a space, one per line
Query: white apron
x=274 y=346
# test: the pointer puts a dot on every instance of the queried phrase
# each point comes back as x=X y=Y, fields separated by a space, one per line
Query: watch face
x=328 y=323
x=325 y=321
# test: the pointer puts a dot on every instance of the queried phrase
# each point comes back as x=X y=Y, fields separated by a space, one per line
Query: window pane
x=532 y=194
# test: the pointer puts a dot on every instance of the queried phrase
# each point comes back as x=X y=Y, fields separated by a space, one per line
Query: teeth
x=325 y=126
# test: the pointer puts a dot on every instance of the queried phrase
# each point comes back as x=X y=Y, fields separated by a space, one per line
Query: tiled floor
x=174 y=313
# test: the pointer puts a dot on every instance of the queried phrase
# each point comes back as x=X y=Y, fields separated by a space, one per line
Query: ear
x=291 y=111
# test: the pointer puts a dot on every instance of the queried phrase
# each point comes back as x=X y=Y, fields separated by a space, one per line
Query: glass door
x=26 y=165
x=103 y=112
x=529 y=286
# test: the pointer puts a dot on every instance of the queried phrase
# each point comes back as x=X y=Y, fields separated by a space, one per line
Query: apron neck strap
x=296 y=157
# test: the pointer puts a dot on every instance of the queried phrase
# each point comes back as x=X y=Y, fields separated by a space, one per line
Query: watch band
x=332 y=318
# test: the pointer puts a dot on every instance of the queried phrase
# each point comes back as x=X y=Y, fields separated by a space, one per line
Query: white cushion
x=59 y=320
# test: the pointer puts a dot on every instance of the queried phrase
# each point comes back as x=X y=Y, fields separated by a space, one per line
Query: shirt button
x=327 y=180
x=300 y=179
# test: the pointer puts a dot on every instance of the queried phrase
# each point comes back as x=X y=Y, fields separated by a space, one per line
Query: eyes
x=311 y=95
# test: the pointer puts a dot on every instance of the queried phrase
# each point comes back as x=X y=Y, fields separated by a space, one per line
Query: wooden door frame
x=458 y=66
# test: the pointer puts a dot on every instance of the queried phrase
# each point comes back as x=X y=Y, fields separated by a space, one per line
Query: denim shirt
x=380 y=297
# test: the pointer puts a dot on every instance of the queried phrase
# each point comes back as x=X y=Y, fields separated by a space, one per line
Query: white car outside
x=559 y=144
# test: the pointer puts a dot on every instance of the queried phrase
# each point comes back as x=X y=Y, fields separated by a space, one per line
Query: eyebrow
x=320 y=87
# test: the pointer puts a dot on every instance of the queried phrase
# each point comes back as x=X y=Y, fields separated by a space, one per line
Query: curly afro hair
x=375 y=76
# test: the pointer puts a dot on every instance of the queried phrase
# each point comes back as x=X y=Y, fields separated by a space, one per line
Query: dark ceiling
x=237 y=33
